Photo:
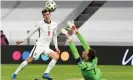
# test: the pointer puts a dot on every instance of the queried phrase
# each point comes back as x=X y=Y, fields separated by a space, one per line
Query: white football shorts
x=40 y=49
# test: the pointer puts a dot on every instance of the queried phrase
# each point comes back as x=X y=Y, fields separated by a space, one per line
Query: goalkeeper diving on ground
x=88 y=62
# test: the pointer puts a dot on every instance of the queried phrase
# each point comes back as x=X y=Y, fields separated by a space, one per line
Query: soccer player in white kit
x=47 y=30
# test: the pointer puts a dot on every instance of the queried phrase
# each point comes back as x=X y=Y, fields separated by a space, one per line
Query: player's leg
x=84 y=43
x=21 y=67
x=36 y=51
x=23 y=64
x=55 y=57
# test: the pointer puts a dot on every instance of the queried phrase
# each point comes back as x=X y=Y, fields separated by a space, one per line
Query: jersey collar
x=47 y=22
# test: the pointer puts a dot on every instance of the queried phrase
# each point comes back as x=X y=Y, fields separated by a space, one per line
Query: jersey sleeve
x=55 y=31
x=55 y=37
x=32 y=32
x=88 y=65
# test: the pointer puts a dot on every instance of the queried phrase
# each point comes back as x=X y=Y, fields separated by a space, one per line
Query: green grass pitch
x=65 y=72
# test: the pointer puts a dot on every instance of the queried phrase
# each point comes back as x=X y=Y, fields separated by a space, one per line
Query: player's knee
x=54 y=55
x=29 y=60
x=57 y=56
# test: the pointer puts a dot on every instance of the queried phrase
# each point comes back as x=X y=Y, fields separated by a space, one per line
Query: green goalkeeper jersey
x=89 y=70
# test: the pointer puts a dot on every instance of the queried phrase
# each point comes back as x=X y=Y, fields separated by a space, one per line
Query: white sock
x=50 y=65
x=22 y=65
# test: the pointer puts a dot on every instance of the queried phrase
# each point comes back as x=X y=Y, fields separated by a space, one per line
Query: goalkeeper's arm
x=75 y=53
x=83 y=42
x=79 y=61
x=80 y=37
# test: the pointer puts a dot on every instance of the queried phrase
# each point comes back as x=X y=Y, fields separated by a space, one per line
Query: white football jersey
x=46 y=32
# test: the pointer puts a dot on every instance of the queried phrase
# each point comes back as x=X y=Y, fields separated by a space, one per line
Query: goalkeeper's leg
x=80 y=37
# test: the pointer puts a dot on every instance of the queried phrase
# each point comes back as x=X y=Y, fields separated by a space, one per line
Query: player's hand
x=70 y=24
x=57 y=50
x=18 y=42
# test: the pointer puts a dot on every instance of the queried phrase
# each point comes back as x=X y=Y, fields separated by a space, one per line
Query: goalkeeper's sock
x=74 y=49
x=22 y=65
x=50 y=65
x=83 y=41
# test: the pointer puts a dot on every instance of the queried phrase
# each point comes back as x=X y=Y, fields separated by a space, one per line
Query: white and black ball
x=50 y=5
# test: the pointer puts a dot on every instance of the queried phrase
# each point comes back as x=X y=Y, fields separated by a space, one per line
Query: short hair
x=92 y=54
x=45 y=10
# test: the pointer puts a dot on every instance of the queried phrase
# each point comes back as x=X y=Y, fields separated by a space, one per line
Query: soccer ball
x=50 y=5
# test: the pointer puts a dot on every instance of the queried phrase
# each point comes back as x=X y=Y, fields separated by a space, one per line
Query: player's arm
x=29 y=34
x=83 y=41
x=76 y=55
x=80 y=37
x=79 y=61
x=55 y=40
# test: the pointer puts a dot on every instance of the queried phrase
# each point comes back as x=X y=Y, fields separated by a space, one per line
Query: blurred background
x=106 y=25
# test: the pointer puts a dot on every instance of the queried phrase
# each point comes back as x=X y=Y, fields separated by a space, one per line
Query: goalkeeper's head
x=89 y=55
x=46 y=15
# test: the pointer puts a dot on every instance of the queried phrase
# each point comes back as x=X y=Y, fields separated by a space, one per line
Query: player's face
x=46 y=16
x=85 y=55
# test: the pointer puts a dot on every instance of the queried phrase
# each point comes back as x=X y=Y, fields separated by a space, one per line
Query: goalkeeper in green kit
x=88 y=63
